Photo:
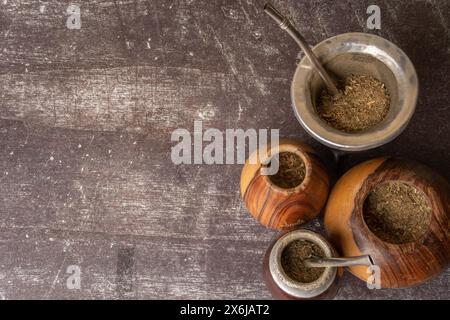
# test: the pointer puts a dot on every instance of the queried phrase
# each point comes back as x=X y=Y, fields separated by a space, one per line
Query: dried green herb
x=362 y=103
x=397 y=212
x=292 y=259
x=291 y=171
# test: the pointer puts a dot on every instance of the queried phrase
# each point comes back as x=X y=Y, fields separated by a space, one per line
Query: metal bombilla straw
x=286 y=25
x=330 y=84
x=365 y=260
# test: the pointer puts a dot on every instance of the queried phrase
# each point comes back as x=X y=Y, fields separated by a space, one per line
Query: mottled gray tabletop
x=87 y=183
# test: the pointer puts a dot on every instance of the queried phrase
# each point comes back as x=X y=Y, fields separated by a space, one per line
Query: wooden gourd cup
x=404 y=264
x=280 y=208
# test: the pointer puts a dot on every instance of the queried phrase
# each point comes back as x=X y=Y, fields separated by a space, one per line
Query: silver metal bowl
x=357 y=53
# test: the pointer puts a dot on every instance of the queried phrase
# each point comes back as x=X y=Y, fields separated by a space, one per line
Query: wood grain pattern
x=284 y=209
x=345 y=190
x=401 y=265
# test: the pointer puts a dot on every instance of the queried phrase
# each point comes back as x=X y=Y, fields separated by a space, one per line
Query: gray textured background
x=85 y=123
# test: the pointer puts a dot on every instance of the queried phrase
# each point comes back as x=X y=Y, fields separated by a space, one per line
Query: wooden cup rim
x=306 y=161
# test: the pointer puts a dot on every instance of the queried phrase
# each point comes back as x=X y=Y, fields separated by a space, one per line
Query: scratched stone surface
x=86 y=117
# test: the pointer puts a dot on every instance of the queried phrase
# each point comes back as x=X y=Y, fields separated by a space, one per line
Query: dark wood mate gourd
x=401 y=265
